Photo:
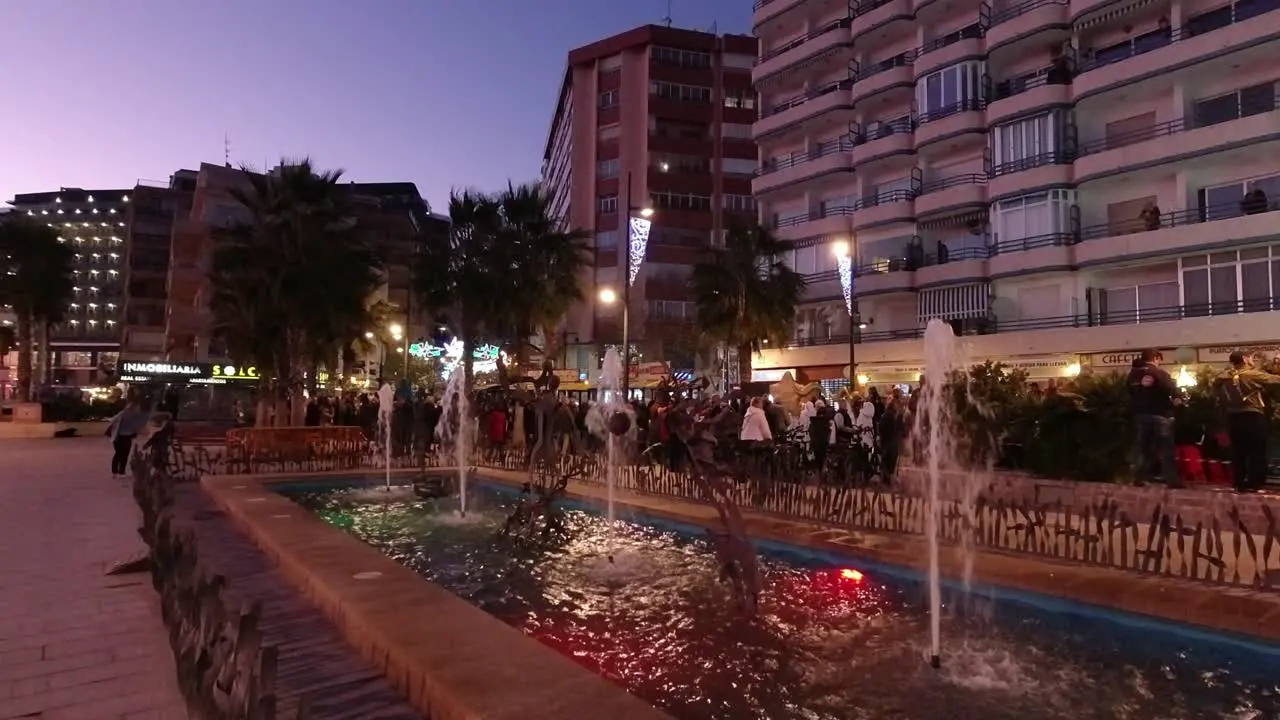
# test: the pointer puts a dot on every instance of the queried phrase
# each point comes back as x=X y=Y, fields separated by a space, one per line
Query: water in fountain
x=386 y=405
x=455 y=426
x=599 y=418
x=941 y=356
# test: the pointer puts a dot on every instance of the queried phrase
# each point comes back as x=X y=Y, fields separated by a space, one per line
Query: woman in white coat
x=755 y=425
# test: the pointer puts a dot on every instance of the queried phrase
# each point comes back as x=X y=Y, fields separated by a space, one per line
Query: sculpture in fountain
x=715 y=477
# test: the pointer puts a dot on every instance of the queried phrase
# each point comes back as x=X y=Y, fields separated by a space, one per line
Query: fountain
x=941 y=357
x=386 y=406
x=610 y=418
x=455 y=411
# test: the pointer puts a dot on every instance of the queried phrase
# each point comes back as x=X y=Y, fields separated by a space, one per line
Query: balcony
x=805 y=47
x=1021 y=96
x=1025 y=18
x=884 y=276
x=875 y=14
x=874 y=79
x=1044 y=170
x=1217 y=32
x=947 y=122
x=1170 y=141
x=953 y=192
x=828 y=157
x=950 y=50
x=885 y=139
x=802 y=107
x=765 y=10
x=1172 y=233
x=819 y=222
x=883 y=209
x=1042 y=253
x=948 y=266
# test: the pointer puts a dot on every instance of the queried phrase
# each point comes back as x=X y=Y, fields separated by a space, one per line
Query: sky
x=444 y=93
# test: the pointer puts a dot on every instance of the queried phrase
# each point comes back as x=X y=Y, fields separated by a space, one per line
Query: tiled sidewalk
x=75 y=644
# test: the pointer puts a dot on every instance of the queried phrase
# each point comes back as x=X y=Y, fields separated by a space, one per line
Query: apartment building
x=155 y=207
x=1065 y=181
x=394 y=216
x=86 y=345
x=665 y=114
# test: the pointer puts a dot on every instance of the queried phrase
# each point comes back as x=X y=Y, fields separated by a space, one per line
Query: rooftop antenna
x=226 y=149
x=667 y=20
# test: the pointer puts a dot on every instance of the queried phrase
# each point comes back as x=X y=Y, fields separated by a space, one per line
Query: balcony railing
x=883 y=130
x=1057 y=157
x=817 y=214
x=1137 y=316
x=940 y=184
x=813 y=35
x=901 y=60
x=1031 y=243
x=1243 y=110
x=802 y=98
x=970 y=32
x=1021 y=9
x=882 y=198
x=827 y=147
x=966 y=105
x=1176 y=218
x=862 y=8
x=1202 y=24
x=1052 y=75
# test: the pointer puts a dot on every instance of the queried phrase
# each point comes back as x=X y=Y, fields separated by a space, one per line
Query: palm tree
x=746 y=295
x=38 y=284
x=548 y=263
x=290 y=286
x=456 y=274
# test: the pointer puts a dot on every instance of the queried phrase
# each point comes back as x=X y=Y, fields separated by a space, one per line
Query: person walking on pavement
x=1152 y=392
x=122 y=430
x=1242 y=391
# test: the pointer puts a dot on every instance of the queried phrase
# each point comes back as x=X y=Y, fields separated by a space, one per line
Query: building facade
x=1064 y=181
x=85 y=347
x=152 y=214
x=664 y=114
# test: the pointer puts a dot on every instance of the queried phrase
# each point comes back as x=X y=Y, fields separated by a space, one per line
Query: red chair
x=1190 y=464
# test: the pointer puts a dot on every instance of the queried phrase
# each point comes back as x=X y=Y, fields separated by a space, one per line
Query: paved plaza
x=74 y=643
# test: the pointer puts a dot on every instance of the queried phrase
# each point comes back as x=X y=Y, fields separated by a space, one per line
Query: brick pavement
x=75 y=644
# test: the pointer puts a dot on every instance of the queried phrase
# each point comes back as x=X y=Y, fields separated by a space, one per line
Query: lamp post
x=636 y=225
x=844 y=268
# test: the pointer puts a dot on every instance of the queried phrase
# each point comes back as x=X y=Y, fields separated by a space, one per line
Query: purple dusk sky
x=444 y=93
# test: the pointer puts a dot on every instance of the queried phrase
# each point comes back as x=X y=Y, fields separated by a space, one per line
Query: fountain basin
x=875 y=621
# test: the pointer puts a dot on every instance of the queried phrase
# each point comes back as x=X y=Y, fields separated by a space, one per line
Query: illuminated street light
x=608 y=296
x=646 y=212
x=368 y=336
x=395 y=329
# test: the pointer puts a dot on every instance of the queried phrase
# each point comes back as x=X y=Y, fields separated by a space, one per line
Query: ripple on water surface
x=830 y=643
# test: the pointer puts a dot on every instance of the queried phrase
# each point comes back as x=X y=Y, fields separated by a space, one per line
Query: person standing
x=1242 y=390
x=1151 y=394
x=122 y=430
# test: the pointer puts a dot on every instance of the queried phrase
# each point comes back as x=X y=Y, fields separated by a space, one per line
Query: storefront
x=205 y=390
x=1219 y=356
x=1044 y=367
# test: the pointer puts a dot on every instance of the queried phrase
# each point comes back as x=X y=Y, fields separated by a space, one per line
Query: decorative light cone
x=619 y=423
x=637 y=244
x=844 y=265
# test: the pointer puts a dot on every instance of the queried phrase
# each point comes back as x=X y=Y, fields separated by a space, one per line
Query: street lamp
x=636 y=224
x=844 y=267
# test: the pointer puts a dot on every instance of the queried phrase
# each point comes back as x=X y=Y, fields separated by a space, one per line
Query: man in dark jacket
x=1242 y=392
x=1151 y=395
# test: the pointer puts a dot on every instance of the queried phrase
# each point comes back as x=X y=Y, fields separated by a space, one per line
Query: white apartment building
x=1064 y=181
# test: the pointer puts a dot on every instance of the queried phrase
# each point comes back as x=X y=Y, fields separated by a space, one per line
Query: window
x=891 y=191
x=1253 y=100
x=606 y=169
x=680 y=201
x=949 y=90
x=608 y=99
x=680 y=58
x=1144 y=43
x=1026 y=143
x=607 y=204
x=677 y=91
x=672 y=163
x=1220 y=202
x=677 y=237
x=1140 y=303
x=743 y=100
x=884 y=255
x=672 y=310
x=607 y=239
x=955 y=302
x=680 y=130
x=738 y=61
x=738 y=203
x=736 y=131
x=1033 y=221
x=608 y=132
x=738 y=166
x=1226 y=283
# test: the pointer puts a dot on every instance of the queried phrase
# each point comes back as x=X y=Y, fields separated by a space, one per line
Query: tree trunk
x=744 y=363
x=44 y=359
x=25 y=346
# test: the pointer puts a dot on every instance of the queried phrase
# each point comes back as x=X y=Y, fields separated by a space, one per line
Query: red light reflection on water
x=851 y=574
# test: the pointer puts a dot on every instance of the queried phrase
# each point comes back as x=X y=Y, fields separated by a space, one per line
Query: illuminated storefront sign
x=193 y=373
x=484 y=357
